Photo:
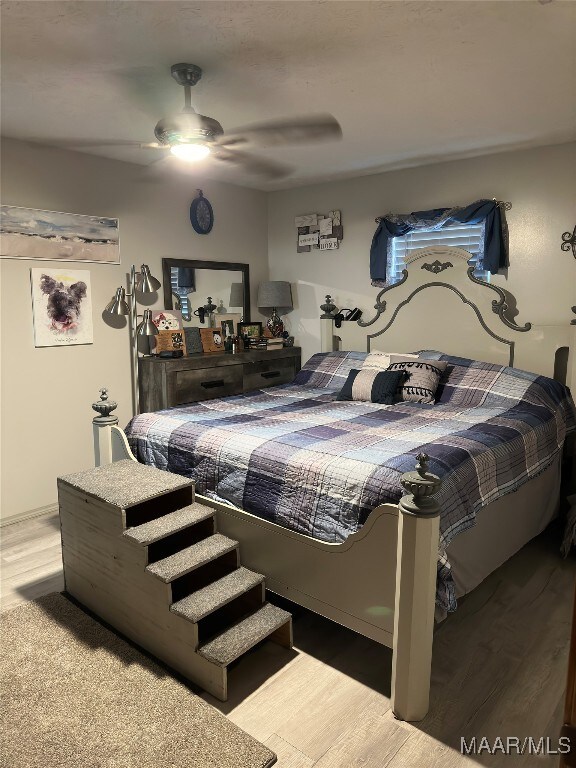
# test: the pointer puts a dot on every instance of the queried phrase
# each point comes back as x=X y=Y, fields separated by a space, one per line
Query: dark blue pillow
x=372 y=386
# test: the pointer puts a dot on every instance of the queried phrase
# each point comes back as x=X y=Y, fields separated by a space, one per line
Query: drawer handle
x=270 y=374
x=212 y=384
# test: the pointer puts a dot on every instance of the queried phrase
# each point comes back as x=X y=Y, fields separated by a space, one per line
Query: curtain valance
x=495 y=252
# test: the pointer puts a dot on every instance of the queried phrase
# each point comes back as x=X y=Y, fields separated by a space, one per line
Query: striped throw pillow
x=421 y=378
x=372 y=386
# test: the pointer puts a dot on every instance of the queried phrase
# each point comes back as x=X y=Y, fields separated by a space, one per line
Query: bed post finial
x=102 y=428
x=104 y=408
x=420 y=486
x=416 y=567
x=327 y=325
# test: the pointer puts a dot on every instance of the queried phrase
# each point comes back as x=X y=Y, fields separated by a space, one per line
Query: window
x=182 y=294
x=467 y=236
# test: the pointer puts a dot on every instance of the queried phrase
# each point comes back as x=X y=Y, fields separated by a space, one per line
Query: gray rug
x=75 y=694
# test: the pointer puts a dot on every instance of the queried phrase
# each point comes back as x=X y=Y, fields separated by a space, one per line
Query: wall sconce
x=124 y=303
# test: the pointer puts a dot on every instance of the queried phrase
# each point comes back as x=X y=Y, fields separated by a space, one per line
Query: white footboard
x=380 y=582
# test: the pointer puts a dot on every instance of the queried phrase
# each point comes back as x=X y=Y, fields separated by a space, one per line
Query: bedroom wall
x=539 y=183
x=46 y=393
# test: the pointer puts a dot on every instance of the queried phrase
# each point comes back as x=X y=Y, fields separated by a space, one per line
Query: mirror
x=188 y=284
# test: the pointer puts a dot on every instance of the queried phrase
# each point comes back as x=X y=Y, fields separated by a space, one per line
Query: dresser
x=166 y=382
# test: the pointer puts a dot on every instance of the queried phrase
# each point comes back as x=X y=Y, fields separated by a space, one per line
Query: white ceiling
x=410 y=82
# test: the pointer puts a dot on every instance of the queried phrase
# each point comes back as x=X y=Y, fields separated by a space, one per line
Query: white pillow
x=379 y=361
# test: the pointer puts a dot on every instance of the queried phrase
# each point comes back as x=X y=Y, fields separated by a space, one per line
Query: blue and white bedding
x=294 y=455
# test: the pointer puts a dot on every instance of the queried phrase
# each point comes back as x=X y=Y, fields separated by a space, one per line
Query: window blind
x=467 y=236
x=180 y=292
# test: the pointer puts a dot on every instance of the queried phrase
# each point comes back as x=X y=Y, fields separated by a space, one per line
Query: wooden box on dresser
x=166 y=382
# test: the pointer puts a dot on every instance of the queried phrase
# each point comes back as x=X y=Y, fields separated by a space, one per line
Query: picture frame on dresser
x=250 y=329
x=170 y=341
x=212 y=339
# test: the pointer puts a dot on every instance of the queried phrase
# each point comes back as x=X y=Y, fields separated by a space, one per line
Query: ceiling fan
x=191 y=136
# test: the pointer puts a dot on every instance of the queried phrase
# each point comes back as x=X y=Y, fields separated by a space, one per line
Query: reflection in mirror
x=191 y=286
x=183 y=284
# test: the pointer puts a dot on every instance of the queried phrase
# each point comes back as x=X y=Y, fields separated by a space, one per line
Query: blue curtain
x=495 y=255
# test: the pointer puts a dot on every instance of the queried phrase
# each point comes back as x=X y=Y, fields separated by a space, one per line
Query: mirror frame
x=231 y=266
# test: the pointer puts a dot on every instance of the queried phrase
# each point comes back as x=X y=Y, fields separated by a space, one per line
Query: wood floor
x=499 y=668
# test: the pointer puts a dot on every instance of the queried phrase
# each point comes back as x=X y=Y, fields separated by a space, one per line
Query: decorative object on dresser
x=62 y=307
x=193 y=341
x=250 y=329
x=143 y=282
x=229 y=321
x=167 y=383
x=256 y=342
x=212 y=339
x=318 y=232
x=27 y=233
x=163 y=320
x=170 y=341
x=275 y=295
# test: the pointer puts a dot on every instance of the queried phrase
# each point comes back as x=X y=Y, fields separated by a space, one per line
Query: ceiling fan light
x=190 y=152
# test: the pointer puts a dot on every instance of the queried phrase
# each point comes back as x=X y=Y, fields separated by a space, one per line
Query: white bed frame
x=381 y=581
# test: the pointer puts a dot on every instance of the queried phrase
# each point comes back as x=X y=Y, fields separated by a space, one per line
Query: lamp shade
x=237 y=295
x=118 y=305
x=275 y=294
x=146 y=283
x=147 y=327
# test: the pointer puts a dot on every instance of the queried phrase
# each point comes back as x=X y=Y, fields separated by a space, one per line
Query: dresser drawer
x=204 y=384
x=268 y=373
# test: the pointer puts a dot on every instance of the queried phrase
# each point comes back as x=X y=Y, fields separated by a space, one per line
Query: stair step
x=203 y=602
x=232 y=643
x=164 y=526
x=190 y=558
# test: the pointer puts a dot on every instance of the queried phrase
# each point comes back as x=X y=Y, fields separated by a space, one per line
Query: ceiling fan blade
x=78 y=143
x=298 y=130
x=252 y=164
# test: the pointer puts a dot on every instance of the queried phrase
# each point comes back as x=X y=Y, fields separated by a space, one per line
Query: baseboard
x=51 y=509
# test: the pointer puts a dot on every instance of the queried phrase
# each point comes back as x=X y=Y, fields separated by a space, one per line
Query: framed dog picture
x=165 y=320
x=169 y=341
x=212 y=339
x=62 y=307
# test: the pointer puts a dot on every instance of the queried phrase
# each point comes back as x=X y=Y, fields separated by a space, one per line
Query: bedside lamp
x=274 y=295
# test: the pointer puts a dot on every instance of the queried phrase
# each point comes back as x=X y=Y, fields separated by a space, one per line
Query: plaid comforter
x=293 y=455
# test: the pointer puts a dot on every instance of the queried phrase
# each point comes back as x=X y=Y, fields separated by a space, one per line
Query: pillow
x=329 y=370
x=372 y=386
x=380 y=361
x=422 y=377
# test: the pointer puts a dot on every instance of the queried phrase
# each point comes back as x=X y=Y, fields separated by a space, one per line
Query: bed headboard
x=440 y=305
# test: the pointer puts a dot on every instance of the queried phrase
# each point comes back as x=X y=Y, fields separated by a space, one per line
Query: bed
x=310 y=486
